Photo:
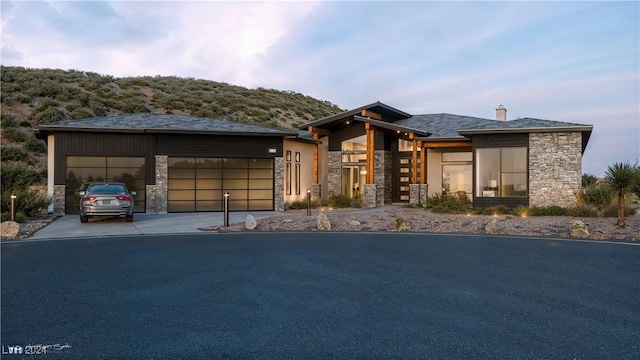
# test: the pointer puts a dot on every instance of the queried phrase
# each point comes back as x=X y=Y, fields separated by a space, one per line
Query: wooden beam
x=445 y=144
x=316 y=130
x=414 y=163
x=370 y=114
x=412 y=136
x=370 y=134
x=316 y=136
x=423 y=163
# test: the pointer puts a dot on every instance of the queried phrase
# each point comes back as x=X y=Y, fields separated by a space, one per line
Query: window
x=297 y=173
x=354 y=150
x=287 y=176
x=404 y=145
x=501 y=172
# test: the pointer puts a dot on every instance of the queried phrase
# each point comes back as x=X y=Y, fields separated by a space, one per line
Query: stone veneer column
x=334 y=181
x=418 y=194
x=316 y=191
x=555 y=168
x=383 y=176
x=157 y=195
x=278 y=201
x=369 y=198
x=59 y=201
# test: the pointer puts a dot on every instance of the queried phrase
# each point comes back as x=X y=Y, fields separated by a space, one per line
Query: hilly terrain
x=31 y=97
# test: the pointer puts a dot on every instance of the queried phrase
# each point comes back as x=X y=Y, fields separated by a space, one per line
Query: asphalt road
x=321 y=296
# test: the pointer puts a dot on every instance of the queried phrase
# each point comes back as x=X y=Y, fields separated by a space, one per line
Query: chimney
x=501 y=113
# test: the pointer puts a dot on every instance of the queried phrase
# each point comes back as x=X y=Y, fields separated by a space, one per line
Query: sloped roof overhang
x=401 y=131
x=336 y=120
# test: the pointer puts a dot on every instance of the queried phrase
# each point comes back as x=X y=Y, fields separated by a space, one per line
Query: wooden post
x=423 y=163
x=316 y=136
x=414 y=160
x=370 y=133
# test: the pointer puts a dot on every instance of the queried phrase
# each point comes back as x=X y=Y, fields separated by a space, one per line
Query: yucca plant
x=622 y=177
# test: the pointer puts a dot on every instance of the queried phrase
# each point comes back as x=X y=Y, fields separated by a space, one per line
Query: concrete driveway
x=69 y=226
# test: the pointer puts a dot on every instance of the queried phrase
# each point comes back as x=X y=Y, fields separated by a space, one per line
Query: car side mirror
x=81 y=193
x=134 y=193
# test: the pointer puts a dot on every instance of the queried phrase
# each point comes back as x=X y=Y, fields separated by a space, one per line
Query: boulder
x=9 y=229
x=250 y=222
x=579 y=230
x=323 y=222
x=354 y=223
x=492 y=227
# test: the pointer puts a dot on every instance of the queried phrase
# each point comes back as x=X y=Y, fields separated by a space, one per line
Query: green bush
x=25 y=123
x=14 y=134
x=15 y=179
x=46 y=103
x=447 y=203
x=81 y=114
x=552 y=210
x=521 y=211
x=49 y=115
x=401 y=224
x=11 y=152
x=582 y=211
x=8 y=120
x=300 y=204
x=17 y=176
x=36 y=145
x=588 y=180
x=599 y=196
x=27 y=201
x=20 y=217
x=339 y=201
x=497 y=210
x=612 y=211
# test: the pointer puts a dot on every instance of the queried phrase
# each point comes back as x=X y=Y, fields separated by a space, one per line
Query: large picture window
x=501 y=172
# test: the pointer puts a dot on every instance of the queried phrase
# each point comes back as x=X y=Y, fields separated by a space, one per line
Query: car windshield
x=106 y=189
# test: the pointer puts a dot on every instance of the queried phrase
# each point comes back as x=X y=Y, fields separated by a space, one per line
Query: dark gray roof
x=449 y=126
x=155 y=123
x=388 y=113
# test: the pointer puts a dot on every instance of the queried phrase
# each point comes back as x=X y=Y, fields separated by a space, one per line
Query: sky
x=567 y=61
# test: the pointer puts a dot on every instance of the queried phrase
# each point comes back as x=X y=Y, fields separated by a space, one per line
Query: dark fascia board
x=584 y=128
x=44 y=130
x=391 y=126
x=302 y=140
x=442 y=138
x=353 y=112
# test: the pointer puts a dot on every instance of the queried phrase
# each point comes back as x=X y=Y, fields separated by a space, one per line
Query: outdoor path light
x=308 y=202
x=226 y=209
x=13 y=208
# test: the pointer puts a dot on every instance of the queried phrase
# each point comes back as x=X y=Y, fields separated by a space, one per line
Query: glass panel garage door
x=198 y=184
x=82 y=170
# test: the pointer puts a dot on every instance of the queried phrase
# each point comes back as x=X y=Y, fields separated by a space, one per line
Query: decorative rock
x=9 y=229
x=579 y=230
x=492 y=227
x=250 y=222
x=323 y=222
x=354 y=223
x=287 y=220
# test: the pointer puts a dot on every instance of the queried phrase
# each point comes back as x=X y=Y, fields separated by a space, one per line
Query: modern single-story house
x=375 y=152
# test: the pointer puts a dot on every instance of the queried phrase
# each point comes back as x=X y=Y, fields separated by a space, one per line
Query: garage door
x=198 y=184
x=82 y=170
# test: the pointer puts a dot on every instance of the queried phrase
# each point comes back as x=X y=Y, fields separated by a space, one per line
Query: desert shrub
x=401 y=224
x=12 y=152
x=46 y=103
x=447 y=203
x=27 y=201
x=356 y=202
x=599 y=196
x=339 y=201
x=521 y=211
x=49 y=115
x=588 y=180
x=81 y=114
x=25 y=123
x=299 y=204
x=552 y=210
x=497 y=210
x=612 y=211
x=14 y=134
x=17 y=176
x=20 y=217
x=34 y=144
x=23 y=98
x=8 y=120
x=15 y=179
x=582 y=211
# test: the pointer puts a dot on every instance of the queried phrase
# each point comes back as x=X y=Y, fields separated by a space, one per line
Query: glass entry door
x=353 y=180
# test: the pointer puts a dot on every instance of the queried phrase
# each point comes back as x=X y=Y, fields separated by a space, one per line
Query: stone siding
x=59 y=202
x=316 y=191
x=383 y=176
x=555 y=168
x=278 y=201
x=370 y=194
x=157 y=195
x=418 y=194
x=334 y=182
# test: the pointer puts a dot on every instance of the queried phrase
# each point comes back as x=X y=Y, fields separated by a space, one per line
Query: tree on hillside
x=622 y=177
